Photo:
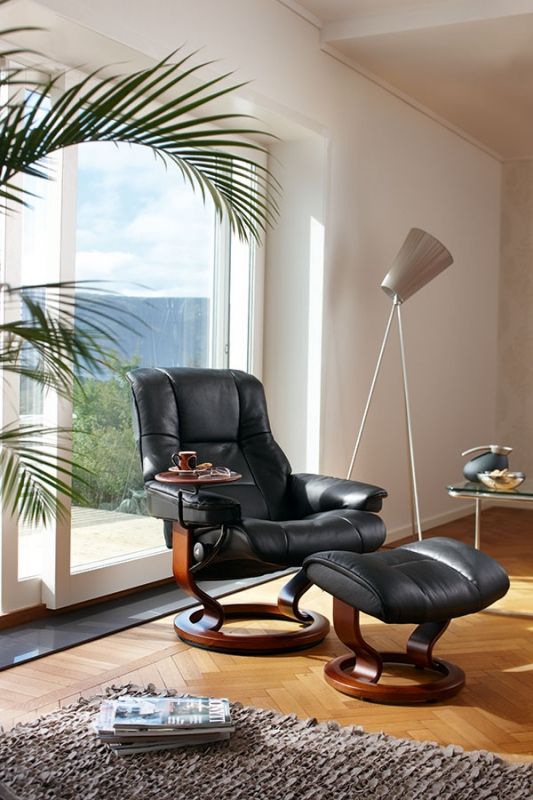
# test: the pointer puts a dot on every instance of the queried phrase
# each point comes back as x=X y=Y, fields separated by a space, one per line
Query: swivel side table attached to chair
x=197 y=480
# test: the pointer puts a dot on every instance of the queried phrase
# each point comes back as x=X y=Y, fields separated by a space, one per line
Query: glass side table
x=479 y=492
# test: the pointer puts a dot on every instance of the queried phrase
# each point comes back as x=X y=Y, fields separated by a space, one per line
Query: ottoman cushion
x=436 y=579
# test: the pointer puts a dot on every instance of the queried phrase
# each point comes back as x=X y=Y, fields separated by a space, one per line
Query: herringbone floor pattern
x=494 y=711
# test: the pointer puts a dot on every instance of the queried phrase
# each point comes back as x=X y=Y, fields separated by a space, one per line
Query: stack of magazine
x=142 y=724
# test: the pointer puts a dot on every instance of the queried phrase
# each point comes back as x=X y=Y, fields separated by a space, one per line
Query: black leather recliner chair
x=269 y=520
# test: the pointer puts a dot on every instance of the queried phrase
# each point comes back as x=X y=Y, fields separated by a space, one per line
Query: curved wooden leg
x=212 y=617
x=290 y=596
x=367 y=664
x=357 y=674
x=201 y=627
x=422 y=641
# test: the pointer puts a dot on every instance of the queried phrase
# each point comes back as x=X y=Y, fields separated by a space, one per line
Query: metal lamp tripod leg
x=371 y=392
x=415 y=511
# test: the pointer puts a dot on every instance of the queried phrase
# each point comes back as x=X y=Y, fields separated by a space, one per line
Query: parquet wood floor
x=494 y=711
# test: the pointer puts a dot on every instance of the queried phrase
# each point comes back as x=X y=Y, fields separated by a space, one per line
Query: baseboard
x=525 y=505
x=467 y=509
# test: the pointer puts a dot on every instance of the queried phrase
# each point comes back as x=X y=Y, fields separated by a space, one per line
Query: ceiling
x=469 y=62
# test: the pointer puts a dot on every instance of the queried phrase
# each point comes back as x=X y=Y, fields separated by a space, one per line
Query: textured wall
x=515 y=384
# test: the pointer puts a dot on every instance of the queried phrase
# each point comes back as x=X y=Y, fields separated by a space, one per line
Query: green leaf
x=35 y=469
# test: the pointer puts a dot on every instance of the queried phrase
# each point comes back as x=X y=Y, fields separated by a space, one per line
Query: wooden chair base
x=192 y=627
x=358 y=672
x=202 y=626
x=340 y=674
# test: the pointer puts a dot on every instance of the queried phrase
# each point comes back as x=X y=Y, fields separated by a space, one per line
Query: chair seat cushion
x=290 y=542
x=436 y=579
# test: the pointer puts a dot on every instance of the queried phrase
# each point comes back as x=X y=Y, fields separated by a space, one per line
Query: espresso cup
x=185 y=459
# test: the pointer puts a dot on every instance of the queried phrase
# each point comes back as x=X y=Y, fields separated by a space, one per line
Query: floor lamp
x=421 y=258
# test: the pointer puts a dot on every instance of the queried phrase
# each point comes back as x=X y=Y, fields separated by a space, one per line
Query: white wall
x=515 y=377
x=290 y=368
x=389 y=168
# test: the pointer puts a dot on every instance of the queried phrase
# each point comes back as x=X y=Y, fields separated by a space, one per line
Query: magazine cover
x=163 y=712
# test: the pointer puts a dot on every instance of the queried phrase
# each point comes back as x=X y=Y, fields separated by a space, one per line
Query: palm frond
x=68 y=334
x=152 y=108
x=35 y=470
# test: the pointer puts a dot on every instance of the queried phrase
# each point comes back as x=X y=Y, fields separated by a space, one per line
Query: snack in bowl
x=200 y=469
x=501 y=479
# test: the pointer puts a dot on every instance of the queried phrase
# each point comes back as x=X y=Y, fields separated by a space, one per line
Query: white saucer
x=189 y=472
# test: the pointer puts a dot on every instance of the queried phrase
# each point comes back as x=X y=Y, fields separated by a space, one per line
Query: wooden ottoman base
x=357 y=673
x=340 y=674
x=424 y=583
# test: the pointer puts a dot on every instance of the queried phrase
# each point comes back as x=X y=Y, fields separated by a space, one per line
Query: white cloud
x=107 y=157
x=139 y=224
x=128 y=273
x=98 y=265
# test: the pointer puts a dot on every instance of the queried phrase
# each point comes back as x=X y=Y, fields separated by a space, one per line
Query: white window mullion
x=246 y=299
x=58 y=410
x=14 y=593
x=219 y=356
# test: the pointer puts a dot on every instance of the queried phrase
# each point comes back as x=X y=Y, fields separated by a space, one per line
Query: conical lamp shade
x=421 y=258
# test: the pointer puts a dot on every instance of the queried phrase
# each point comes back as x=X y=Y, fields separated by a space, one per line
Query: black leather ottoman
x=427 y=583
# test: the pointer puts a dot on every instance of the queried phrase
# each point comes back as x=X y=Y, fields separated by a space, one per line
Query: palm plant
x=164 y=108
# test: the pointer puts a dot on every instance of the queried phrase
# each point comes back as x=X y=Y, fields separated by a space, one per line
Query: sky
x=140 y=225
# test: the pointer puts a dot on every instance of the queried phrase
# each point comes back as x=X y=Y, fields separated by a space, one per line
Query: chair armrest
x=315 y=493
x=201 y=509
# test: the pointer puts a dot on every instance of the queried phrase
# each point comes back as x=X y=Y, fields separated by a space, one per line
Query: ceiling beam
x=453 y=12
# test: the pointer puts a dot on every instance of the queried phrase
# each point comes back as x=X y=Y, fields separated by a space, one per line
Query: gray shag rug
x=269 y=757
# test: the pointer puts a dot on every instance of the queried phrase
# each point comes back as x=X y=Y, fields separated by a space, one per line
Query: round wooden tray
x=196 y=480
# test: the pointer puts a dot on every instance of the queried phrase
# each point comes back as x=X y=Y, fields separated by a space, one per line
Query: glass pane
x=468 y=488
x=38 y=253
x=142 y=228
x=38 y=263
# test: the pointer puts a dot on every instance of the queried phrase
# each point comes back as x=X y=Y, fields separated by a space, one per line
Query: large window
x=179 y=290
x=143 y=234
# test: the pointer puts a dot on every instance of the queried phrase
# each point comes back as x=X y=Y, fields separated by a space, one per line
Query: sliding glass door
x=146 y=252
